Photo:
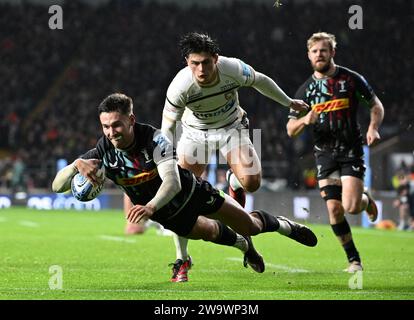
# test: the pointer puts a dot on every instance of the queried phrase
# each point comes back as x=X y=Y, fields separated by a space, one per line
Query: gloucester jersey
x=135 y=170
x=209 y=107
x=336 y=100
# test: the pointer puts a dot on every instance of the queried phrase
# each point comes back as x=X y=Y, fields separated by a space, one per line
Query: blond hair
x=320 y=36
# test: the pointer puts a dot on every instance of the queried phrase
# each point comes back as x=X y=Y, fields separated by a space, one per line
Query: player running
x=334 y=93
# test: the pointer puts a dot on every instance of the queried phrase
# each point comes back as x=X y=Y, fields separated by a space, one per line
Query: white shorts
x=197 y=145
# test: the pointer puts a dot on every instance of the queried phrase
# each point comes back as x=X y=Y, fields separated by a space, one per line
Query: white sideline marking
x=27 y=223
x=274 y=266
x=114 y=238
x=285 y=268
x=376 y=233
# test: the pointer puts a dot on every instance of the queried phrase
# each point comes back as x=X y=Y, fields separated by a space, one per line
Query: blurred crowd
x=53 y=80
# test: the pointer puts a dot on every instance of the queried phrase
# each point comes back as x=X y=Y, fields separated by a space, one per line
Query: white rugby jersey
x=209 y=107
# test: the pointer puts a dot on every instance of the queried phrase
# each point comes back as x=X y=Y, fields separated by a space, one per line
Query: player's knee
x=204 y=229
x=352 y=207
x=251 y=183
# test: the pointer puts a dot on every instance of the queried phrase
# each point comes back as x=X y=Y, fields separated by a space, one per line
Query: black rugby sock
x=227 y=236
x=343 y=229
x=270 y=222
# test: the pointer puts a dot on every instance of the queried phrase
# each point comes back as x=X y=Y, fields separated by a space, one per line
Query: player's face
x=321 y=56
x=118 y=128
x=203 y=66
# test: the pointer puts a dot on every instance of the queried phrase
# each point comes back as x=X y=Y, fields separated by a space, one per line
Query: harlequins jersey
x=135 y=170
x=336 y=100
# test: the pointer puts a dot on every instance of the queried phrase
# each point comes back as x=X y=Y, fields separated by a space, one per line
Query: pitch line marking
x=114 y=238
x=274 y=266
x=376 y=233
x=30 y=224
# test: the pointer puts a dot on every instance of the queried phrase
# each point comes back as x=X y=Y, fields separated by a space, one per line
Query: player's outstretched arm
x=267 y=87
x=87 y=168
x=270 y=89
x=61 y=183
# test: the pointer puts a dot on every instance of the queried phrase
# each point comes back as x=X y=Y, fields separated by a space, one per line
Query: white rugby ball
x=83 y=190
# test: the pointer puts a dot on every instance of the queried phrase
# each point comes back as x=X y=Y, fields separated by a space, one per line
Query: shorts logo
x=211 y=201
x=357 y=169
x=331 y=105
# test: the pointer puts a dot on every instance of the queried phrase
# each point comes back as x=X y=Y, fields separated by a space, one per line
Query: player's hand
x=138 y=212
x=310 y=117
x=299 y=105
x=372 y=136
x=89 y=168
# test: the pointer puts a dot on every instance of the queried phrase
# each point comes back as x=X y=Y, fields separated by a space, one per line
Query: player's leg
x=193 y=151
x=353 y=198
x=219 y=233
x=259 y=221
x=183 y=262
x=356 y=198
x=331 y=192
x=245 y=173
x=132 y=228
x=234 y=226
x=404 y=211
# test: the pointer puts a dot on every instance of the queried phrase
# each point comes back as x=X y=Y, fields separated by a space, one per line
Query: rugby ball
x=83 y=190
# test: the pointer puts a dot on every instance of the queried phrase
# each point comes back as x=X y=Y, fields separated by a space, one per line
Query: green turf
x=96 y=266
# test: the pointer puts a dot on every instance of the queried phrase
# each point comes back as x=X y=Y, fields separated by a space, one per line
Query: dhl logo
x=138 y=179
x=331 y=105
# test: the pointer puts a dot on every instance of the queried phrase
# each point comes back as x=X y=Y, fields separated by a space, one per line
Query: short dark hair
x=195 y=42
x=116 y=102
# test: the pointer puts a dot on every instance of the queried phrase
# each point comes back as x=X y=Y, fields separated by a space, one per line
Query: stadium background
x=52 y=81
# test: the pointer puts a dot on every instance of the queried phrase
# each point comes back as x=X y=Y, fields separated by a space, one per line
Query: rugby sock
x=272 y=223
x=180 y=247
x=226 y=236
x=341 y=230
x=351 y=251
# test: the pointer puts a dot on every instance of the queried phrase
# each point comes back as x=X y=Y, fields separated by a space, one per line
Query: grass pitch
x=97 y=261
